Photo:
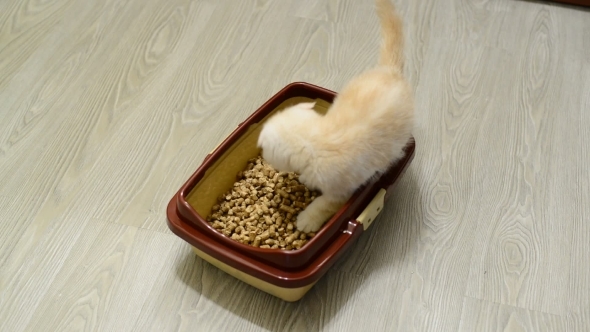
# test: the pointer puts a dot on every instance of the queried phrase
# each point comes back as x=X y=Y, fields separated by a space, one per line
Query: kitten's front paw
x=309 y=222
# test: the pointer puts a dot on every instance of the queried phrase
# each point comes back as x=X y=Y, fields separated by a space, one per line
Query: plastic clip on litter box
x=284 y=274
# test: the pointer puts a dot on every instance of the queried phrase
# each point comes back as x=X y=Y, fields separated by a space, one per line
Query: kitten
x=361 y=135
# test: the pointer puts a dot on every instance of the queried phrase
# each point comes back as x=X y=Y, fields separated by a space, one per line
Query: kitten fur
x=361 y=135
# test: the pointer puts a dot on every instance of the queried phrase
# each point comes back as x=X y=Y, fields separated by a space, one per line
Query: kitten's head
x=284 y=139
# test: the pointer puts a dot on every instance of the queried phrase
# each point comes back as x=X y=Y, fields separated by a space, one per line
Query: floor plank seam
x=517 y=307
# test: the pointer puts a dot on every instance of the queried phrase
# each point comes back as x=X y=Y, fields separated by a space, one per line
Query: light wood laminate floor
x=106 y=108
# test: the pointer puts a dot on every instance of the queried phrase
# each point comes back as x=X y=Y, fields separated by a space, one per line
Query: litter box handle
x=372 y=210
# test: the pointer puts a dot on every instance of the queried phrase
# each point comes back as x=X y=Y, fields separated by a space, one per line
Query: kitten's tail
x=392 y=44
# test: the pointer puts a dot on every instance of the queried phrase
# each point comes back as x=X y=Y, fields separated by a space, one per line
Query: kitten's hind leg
x=317 y=213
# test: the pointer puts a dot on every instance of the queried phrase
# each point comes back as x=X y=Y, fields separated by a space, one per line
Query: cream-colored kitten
x=362 y=134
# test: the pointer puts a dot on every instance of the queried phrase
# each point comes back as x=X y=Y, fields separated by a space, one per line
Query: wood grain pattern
x=106 y=107
x=524 y=261
x=109 y=270
x=420 y=18
x=24 y=29
x=579 y=194
x=578 y=322
x=35 y=272
x=487 y=316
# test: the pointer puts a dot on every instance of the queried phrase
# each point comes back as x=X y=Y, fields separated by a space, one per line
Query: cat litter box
x=284 y=274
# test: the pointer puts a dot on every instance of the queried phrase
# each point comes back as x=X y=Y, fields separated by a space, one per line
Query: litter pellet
x=261 y=208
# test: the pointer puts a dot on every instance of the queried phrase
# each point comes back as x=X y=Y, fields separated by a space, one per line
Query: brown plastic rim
x=259 y=269
x=251 y=266
x=286 y=260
